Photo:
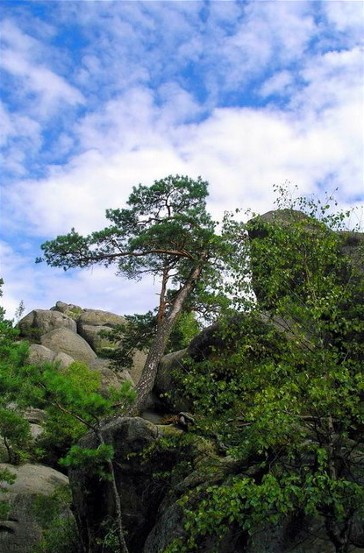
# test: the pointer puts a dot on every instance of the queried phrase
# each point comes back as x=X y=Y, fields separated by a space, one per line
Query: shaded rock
x=65 y=341
x=136 y=369
x=206 y=342
x=93 y=322
x=92 y=497
x=165 y=382
x=34 y=415
x=109 y=378
x=93 y=336
x=42 y=321
x=22 y=532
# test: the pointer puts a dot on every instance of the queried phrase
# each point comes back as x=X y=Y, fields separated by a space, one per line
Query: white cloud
x=34 y=77
x=40 y=287
x=141 y=83
x=242 y=152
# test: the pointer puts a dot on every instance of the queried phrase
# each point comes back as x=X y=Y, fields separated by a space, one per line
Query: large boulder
x=92 y=496
x=93 y=322
x=65 y=341
x=22 y=531
x=165 y=382
x=39 y=354
x=109 y=378
x=41 y=321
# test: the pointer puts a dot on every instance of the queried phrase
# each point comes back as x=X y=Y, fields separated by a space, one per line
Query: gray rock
x=92 y=497
x=73 y=311
x=109 y=378
x=93 y=336
x=65 y=341
x=92 y=322
x=22 y=532
x=165 y=382
x=136 y=369
x=42 y=321
x=63 y=360
x=39 y=354
x=97 y=317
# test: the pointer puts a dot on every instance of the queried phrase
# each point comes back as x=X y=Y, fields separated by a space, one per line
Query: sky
x=99 y=96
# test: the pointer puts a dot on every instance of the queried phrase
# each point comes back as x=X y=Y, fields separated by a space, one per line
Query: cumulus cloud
x=245 y=94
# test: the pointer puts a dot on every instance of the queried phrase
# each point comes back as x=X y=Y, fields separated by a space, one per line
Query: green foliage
x=15 y=431
x=59 y=531
x=110 y=540
x=6 y=476
x=284 y=397
x=166 y=232
x=92 y=459
x=163 y=222
x=139 y=332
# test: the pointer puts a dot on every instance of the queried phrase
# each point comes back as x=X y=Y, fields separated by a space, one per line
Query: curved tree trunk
x=157 y=349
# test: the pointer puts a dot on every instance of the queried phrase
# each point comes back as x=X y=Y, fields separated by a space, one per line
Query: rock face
x=152 y=515
x=92 y=322
x=139 y=497
x=352 y=243
x=41 y=321
x=65 y=341
x=21 y=532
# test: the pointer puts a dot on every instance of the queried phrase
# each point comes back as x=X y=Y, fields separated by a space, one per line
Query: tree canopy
x=283 y=395
x=165 y=231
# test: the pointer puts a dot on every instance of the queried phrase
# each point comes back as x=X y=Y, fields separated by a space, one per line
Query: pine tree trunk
x=158 y=347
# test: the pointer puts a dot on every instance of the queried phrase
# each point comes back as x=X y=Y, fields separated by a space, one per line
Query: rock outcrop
x=41 y=321
x=67 y=333
x=139 y=495
x=22 y=531
x=65 y=341
x=93 y=323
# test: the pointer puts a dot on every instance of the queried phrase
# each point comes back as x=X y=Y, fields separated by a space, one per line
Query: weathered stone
x=73 y=311
x=22 y=532
x=97 y=317
x=92 y=496
x=39 y=354
x=66 y=341
x=136 y=369
x=93 y=322
x=109 y=378
x=165 y=381
x=63 y=359
x=42 y=321
x=93 y=336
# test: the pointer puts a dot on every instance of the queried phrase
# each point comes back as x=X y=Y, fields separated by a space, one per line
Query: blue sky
x=98 y=96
